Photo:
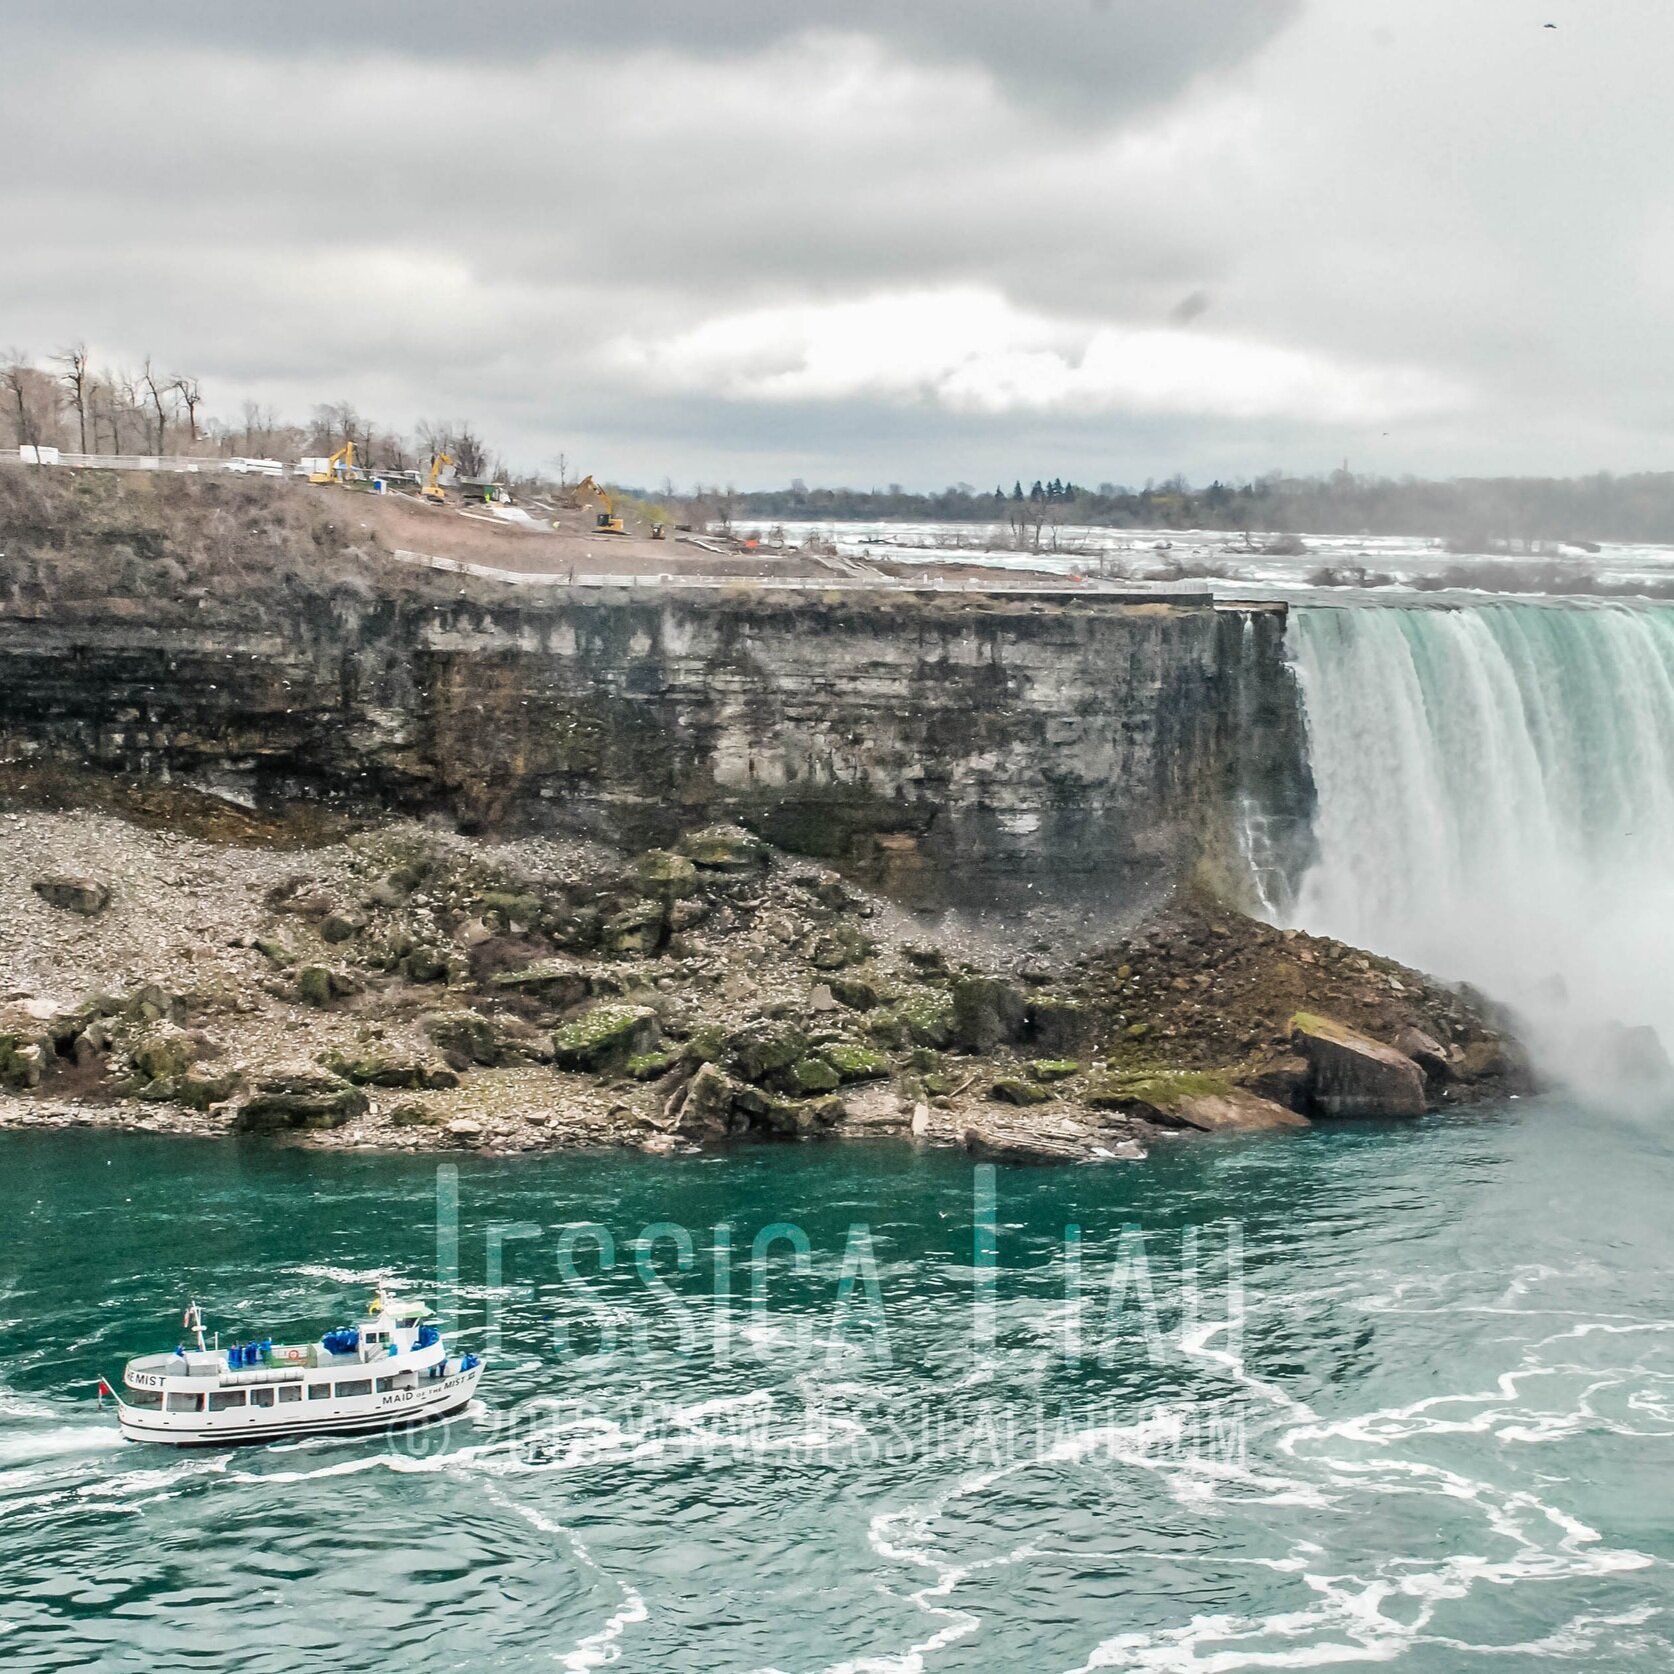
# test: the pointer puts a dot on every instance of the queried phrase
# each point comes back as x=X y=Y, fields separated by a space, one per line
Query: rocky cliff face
x=946 y=746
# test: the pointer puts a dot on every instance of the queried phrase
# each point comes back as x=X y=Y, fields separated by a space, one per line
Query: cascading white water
x=1496 y=801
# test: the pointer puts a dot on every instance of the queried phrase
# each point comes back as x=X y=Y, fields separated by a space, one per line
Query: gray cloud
x=487 y=222
x=1091 y=56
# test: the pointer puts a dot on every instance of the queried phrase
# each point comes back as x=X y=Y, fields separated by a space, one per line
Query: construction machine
x=606 y=522
x=432 y=489
x=338 y=466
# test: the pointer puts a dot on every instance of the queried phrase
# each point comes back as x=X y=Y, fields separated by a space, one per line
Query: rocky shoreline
x=412 y=989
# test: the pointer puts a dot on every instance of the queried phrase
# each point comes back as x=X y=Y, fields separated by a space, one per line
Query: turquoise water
x=1437 y=1436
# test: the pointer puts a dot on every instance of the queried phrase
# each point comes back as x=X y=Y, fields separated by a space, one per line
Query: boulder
x=466 y=1129
x=72 y=894
x=464 y=1037
x=663 y=875
x=300 y=1099
x=1027 y=1140
x=605 y=1038
x=1350 y=1074
x=875 y=1109
x=854 y=1062
x=855 y=992
x=638 y=930
x=1060 y=1027
x=1054 y=1069
x=986 y=1012
x=1284 y=1081
x=928 y=1014
x=163 y=1054
x=1427 y=1052
x=561 y=982
x=377 y=1069
x=815 y=1075
x=1234 y=1111
x=313 y=986
x=759 y=1050
x=21 y=1060
x=842 y=946
x=1015 y=1089
x=724 y=848
x=703 y=1107
x=341 y=927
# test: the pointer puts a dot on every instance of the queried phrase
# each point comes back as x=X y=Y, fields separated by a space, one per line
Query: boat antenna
x=192 y=1320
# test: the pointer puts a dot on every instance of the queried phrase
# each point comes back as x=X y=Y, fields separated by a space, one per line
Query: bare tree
x=192 y=396
x=15 y=379
x=76 y=377
x=157 y=392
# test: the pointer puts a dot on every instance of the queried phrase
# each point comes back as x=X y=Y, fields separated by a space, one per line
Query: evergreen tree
x=1017 y=489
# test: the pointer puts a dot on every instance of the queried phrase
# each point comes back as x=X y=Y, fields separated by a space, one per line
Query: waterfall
x=1496 y=801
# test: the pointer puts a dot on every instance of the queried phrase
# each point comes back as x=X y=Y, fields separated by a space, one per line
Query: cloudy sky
x=919 y=241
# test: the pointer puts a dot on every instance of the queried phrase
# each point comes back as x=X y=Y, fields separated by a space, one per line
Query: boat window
x=261 y=1397
x=355 y=1386
x=319 y=1392
x=385 y=1385
x=150 y=1399
x=289 y=1392
x=221 y=1399
x=180 y=1401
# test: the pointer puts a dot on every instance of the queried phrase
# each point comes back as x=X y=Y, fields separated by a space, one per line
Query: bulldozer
x=606 y=522
x=432 y=489
x=338 y=467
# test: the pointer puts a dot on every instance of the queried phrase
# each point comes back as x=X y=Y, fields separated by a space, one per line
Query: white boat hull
x=394 y=1409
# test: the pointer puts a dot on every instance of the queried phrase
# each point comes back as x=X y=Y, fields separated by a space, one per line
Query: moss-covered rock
x=163 y=1053
x=606 y=1037
x=1158 y=1091
x=844 y=945
x=1350 y=1074
x=342 y=927
x=561 y=982
x=815 y=1075
x=647 y=1066
x=313 y=986
x=724 y=848
x=196 y=1089
x=638 y=930
x=1054 y=1069
x=21 y=1060
x=761 y=1049
x=425 y=964
x=503 y=908
x=378 y=1069
x=858 y=993
x=1016 y=1089
x=854 y=1062
x=928 y=1015
x=664 y=875
x=300 y=1099
x=465 y=1037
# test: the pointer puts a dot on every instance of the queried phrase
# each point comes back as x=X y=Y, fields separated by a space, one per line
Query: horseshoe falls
x=1495 y=791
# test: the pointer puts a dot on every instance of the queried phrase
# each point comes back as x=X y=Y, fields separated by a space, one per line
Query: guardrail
x=1197 y=590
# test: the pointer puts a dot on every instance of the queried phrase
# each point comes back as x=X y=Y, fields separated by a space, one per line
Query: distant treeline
x=1471 y=511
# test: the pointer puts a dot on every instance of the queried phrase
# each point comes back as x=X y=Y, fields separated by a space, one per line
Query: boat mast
x=193 y=1321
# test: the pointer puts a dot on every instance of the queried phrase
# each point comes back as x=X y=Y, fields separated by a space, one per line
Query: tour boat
x=389 y=1370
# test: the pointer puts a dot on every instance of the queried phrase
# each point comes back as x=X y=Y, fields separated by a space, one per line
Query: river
x=1399 y=1394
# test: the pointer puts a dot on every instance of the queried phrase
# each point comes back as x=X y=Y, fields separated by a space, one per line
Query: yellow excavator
x=607 y=522
x=338 y=466
x=432 y=490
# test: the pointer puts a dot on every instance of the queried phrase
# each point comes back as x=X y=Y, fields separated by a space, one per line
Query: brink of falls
x=1496 y=803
